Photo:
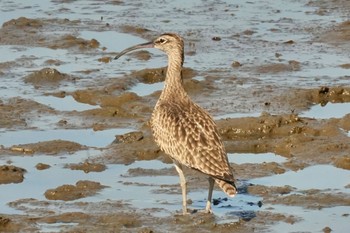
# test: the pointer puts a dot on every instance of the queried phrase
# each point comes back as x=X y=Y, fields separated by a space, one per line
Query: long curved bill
x=139 y=46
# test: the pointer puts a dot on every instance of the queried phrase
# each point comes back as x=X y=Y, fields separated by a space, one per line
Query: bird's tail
x=229 y=188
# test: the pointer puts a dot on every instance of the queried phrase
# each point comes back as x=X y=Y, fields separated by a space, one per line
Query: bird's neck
x=173 y=80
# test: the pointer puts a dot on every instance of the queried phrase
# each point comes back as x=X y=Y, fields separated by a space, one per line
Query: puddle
x=32 y=59
x=335 y=180
x=144 y=192
x=87 y=137
x=67 y=103
x=55 y=227
x=255 y=158
x=112 y=40
x=36 y=182
x=12 y=53
x=199 y=78
x=312 y=220
x=325 y=65
x=15 y=9
x=142 y=89
x=237 y=115
x=330 y=110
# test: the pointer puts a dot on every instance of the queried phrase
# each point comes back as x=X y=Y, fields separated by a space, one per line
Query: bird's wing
x=190 y=136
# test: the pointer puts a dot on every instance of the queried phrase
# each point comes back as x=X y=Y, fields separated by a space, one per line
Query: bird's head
x=170 y=43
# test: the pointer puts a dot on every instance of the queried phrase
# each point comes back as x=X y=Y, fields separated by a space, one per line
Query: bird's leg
x=210 y=193
x=183 y=184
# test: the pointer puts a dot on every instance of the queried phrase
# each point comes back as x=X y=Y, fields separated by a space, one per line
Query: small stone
x=106 y=59
x=216 y=38
x=278 y=55
x=323 y=90
x=129 y=137
x=42 y=166
x=289 y=42
x=236 y=64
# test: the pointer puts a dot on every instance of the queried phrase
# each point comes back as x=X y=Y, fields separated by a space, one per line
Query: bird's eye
x=162 y=41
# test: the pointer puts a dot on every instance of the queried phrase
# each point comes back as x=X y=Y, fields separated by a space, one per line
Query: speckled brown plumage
x=182 y=129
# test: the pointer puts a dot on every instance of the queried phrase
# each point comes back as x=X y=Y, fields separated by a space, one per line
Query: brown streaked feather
x=189 y=135
x=229 y=188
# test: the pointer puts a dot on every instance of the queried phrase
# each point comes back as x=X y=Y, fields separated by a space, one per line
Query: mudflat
x=76 y=150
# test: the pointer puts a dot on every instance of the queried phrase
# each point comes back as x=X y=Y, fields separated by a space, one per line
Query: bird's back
x=189 y=135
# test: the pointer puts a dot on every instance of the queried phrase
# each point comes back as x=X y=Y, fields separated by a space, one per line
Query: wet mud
x=11 y=174
x=81 y=189
x=48 y=147
x=46 y=77
x=94 y=167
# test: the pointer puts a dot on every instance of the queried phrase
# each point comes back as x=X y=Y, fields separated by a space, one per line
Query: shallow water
x=140 y=193
x=312 y=220
x=333 y=180
x=313 y=181
x=255 y=158
x=236 y=115
x=330 y=110
x=251 y=32
x=136 y=190
x=55 y=227
x=67 y=103
x=87 y=137
x=38 y=181
x=143 y=89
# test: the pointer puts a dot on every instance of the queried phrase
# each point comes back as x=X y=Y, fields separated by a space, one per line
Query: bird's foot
x=208 y=211
x=186 y=212
x=208 y=208
x=205 y=211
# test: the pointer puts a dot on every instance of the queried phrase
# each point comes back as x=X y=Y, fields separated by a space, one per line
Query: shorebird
x=182 y=129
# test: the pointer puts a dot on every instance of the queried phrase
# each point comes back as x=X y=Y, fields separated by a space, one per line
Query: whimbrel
x=182 y=129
